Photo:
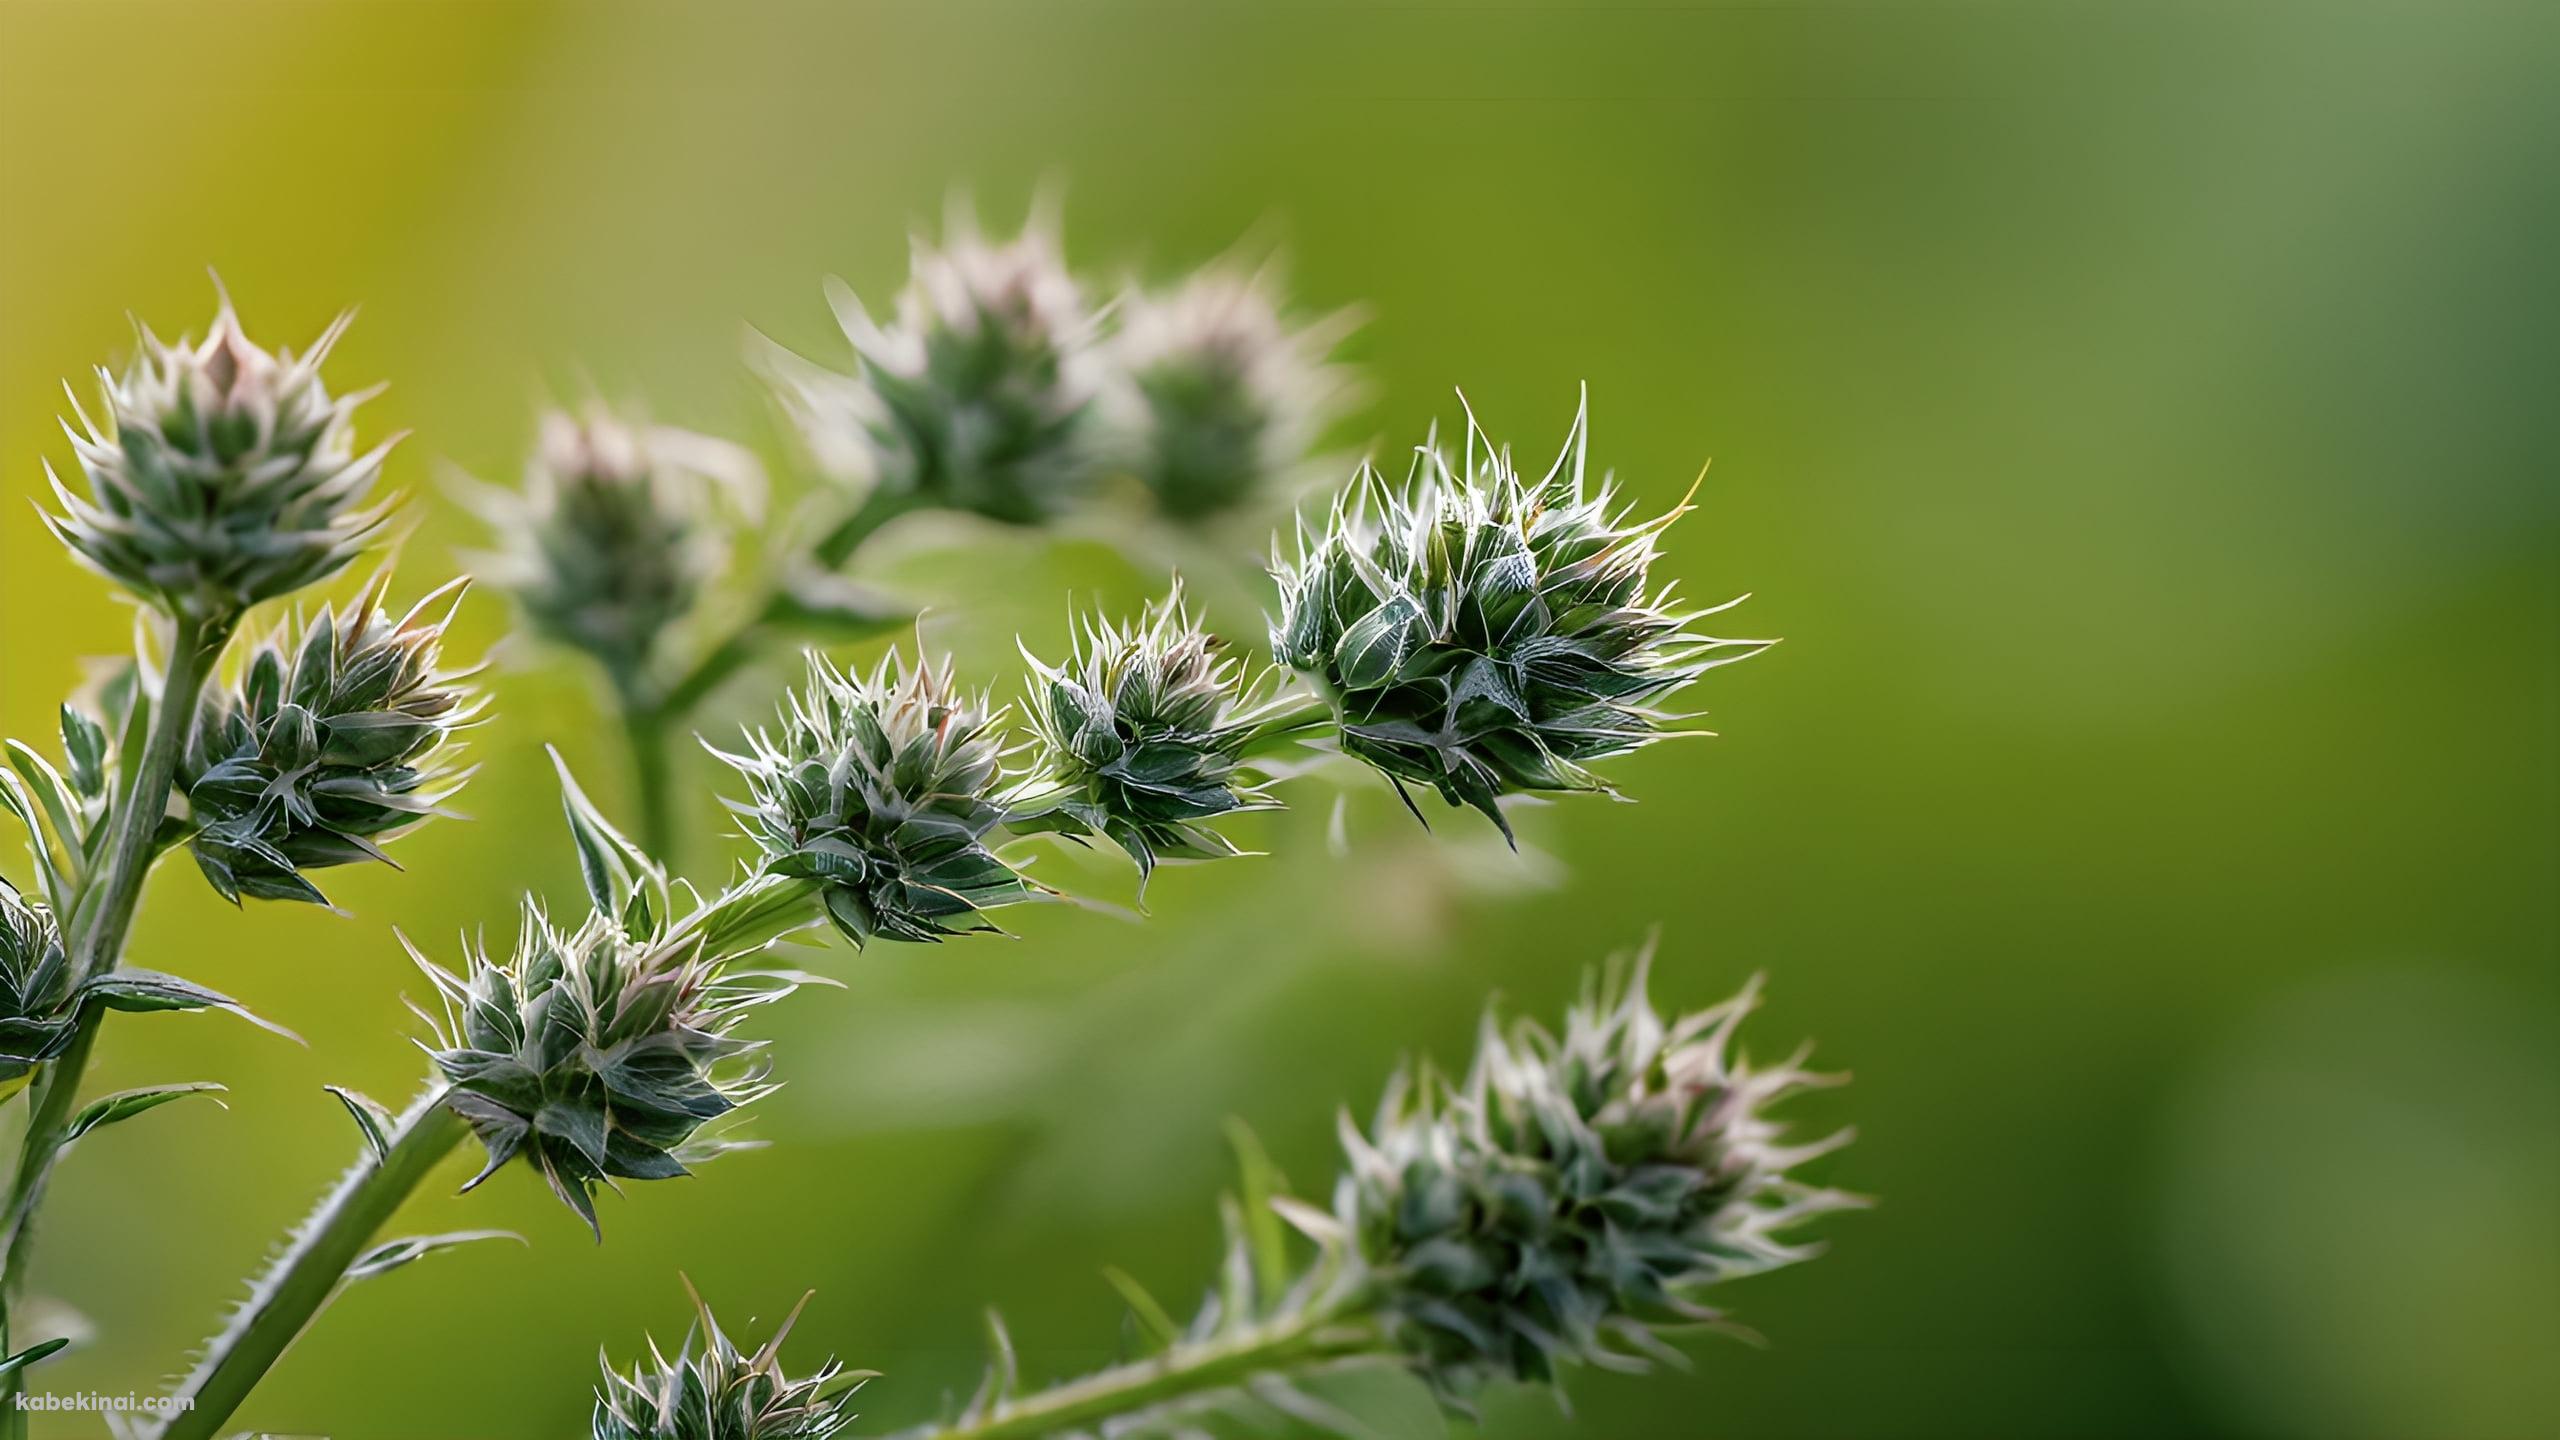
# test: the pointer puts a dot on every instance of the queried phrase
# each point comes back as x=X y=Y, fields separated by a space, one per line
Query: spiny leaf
x=392 y=1254
x=138 y=991
x=125 y=1104
x=372 y=1119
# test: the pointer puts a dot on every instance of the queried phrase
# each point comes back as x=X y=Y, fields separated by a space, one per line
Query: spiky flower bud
x=1140 y=736
x=712 y=1390
x=1574 y=1192
x=1217 y=397
x=595 y=1053
x=976 y=394
x=884 y=788
x=221 y=476
x=1487 y=635
x=36 y=1009
x=338 y=737
x=617 y=531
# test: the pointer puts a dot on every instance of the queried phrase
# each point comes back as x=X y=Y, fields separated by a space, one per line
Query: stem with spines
x=98 y=945
x=312 y=1266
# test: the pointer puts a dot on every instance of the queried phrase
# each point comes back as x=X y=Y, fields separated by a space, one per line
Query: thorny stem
x=1192 y=1373
x=313 y=1265
x=96 y=947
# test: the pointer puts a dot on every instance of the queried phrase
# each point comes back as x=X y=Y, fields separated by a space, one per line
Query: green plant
x=221 y=477
x=991 y=388
x=888 y=804
x=1575 y=1199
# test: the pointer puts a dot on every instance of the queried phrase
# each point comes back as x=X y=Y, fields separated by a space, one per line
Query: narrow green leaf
x=31 y=1355
x=84 y=744
x=392 y=1254
x=1261 y=1182
x=371 y=1118
x=620 y=877
x=125 y=1104
x=61 y=805
x=1153 y=1318
x=142 y=991
x=49 y=876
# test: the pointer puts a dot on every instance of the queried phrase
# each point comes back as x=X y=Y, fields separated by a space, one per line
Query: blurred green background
x=2136 y=418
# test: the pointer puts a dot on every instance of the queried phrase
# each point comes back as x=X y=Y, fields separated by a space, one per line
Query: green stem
x=309 y=1272
x=733 y=650
x=644 y=729
x=142 y=801
x=1185 y=1373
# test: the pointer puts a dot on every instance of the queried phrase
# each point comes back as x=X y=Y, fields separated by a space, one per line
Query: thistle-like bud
x=596 y=1053
x=884 y=788
x=36 y=1009
x=221 y=476
x=338 y=738
x=712 y=1390
x=1217 y=397
x=1140 y=736
x=976 y=395
x=617 y=532
x=1576 y=1192
x=1487 y=635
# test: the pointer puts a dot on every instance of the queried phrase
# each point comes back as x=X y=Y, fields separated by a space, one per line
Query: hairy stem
x=314 y=1263
x=1186 y=1374
x=142 y=799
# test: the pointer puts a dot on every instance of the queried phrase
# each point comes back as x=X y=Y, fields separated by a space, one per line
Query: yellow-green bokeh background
x=2137 y=420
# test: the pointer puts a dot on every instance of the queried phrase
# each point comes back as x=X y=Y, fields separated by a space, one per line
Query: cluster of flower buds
x=994 y=388
x=885 y=789
x=1140 y=737
x=1216 y=397
x=338 y=737
x=619 y=528
x=221 y=475
x=712 y=1390
x=1486 y=635
x=1575 y=1191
